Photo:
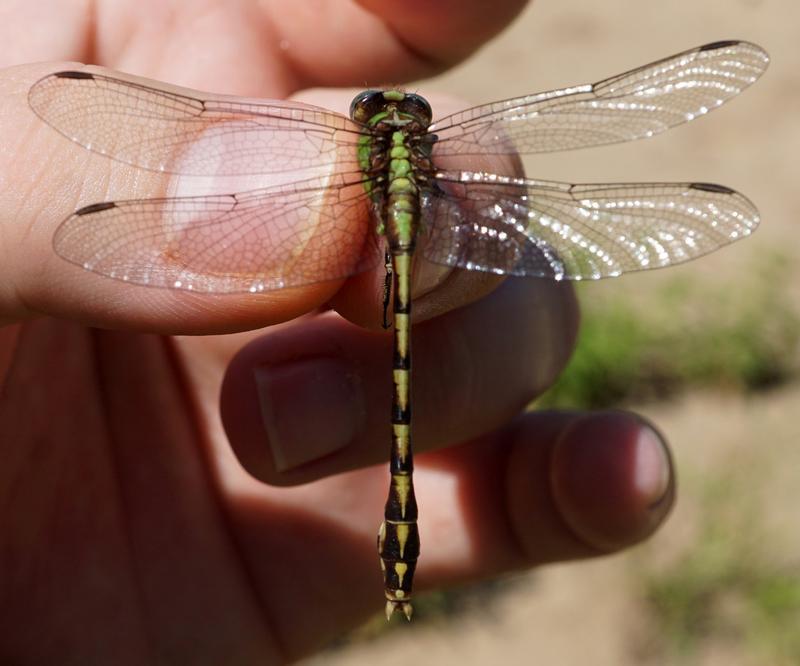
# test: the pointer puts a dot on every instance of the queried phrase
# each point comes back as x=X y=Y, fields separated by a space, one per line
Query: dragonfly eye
x=366 y=104
x=418 y=106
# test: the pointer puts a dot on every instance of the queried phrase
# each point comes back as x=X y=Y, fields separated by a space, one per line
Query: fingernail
x=652 y=468
x=310 y=408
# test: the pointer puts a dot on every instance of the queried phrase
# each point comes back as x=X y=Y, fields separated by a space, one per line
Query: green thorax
x=394 y=119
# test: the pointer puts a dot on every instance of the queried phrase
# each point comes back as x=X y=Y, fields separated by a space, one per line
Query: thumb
x=56 y=261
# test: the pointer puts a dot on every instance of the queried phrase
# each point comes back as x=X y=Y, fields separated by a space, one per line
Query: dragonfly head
x=370 y=106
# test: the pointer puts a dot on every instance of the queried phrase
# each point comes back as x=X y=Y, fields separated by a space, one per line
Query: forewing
x=633 y=105
x=176 y=133
x=517 y=226
x=279 y=237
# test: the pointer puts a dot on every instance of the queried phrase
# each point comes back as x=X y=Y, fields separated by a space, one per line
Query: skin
x=148 y=515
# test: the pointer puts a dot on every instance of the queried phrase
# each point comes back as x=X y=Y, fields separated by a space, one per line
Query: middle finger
x=312 y=398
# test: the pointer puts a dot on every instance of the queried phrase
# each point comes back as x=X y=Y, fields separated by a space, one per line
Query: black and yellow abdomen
x=398 y=537
x=393 y=161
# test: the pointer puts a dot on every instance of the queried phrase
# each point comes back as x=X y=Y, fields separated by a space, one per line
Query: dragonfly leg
x=387 y=289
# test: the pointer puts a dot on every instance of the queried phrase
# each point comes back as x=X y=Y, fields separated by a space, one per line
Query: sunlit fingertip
x=652 y=471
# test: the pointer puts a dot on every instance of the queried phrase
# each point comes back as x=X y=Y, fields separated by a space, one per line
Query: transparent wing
x=165 y=131
x=278 y=237
x=634 y=105
x=516 y=226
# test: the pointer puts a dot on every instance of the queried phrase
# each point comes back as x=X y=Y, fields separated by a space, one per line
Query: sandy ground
x=593 y=613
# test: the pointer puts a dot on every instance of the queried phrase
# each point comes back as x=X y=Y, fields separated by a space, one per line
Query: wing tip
x=746 y=206
x=40 y=93
x=732 y=43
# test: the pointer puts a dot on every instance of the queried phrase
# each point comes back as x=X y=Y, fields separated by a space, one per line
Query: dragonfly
x=383 y=187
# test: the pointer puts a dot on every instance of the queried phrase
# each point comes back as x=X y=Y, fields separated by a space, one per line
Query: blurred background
x=708 y=351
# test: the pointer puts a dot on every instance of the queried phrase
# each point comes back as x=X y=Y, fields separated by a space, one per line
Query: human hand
x=130 y=533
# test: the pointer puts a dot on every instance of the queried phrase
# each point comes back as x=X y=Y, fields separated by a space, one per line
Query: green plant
x=744 y=338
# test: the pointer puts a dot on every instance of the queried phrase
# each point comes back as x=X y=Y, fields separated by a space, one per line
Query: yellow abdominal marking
x=402 y=537
x=402 y=264
x=401 y=381
x=401 y=433
x=402 y=323
x=402 y=484
x=400 y=568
